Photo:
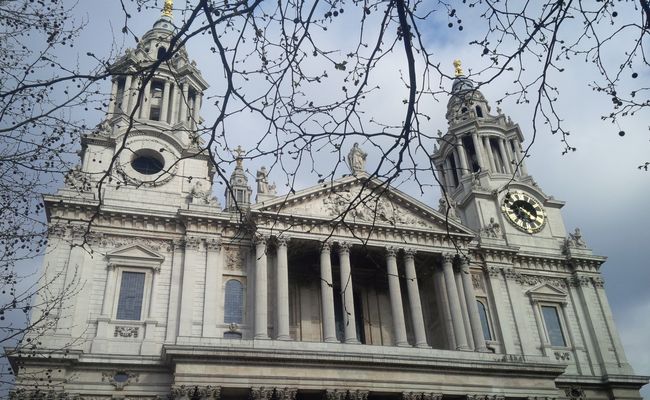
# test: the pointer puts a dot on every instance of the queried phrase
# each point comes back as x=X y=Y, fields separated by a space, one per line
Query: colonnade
x=454 y=288
x=503 y=159
x=179 y=101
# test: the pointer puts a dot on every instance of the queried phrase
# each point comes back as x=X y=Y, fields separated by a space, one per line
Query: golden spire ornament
x=167 y=8
x=458 y=70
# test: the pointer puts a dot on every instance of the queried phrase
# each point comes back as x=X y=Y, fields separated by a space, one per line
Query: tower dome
x=466 y=102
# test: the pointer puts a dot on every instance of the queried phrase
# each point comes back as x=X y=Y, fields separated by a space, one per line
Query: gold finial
x=239 y=151
x=167 y=8
x=458 y=70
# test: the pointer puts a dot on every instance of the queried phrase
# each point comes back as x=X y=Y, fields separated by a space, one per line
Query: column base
x=283 y=337
x=463 y=348
x=261 y=337
x=352 y=341
x=422 y=346
x=331 y=340
x=403 y=344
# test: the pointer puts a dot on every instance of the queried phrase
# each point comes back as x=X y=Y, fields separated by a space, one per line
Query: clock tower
x=482 y=168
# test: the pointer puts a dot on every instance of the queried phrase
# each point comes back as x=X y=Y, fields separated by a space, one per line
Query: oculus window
x=147 y=162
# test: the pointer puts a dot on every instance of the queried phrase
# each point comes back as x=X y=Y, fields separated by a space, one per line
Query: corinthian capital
x=344 y=247
x=391 y=251
x=358 y=395
x=260 y=393
x=285 y=393
x=448 y=257
x=409 y=253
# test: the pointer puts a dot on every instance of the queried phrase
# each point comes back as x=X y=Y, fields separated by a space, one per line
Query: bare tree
x=308 y=90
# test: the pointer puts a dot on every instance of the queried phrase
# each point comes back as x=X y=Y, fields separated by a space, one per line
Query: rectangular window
x=129 y=306
x=553 y=326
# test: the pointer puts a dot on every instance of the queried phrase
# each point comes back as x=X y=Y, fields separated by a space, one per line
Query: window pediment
x=135 y=255
x=547 y=293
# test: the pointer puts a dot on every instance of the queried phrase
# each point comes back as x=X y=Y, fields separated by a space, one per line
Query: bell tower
x=480 y=164
x=148 y=145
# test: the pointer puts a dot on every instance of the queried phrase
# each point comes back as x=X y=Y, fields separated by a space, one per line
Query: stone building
x=486 y=297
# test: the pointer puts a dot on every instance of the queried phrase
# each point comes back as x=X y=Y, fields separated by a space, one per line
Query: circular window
x=147 y=162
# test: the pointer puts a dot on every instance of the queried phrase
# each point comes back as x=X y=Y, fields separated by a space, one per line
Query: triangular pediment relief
x=361 y=201
x=547 y=292
x=134 y=253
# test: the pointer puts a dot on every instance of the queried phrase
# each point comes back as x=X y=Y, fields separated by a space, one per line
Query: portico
x=336 y=291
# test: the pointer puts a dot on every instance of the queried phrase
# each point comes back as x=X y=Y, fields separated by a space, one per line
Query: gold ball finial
x=167 y=8
x=458 y=70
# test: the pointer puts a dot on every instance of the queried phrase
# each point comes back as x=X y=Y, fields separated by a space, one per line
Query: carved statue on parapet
x=443 y=206
x=575 y=240
x=201 y=193
x=491 y=230
x=357 y=159
x=78 y=180
x=264 y=189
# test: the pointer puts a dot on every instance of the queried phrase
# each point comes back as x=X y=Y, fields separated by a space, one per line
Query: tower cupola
x=480 y=151
x=171 y=95
x=466 y=101
x=238 y=195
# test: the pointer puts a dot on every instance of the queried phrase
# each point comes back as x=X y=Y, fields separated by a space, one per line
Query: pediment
x=359 y=200
x=547 y=292
x=135 y=254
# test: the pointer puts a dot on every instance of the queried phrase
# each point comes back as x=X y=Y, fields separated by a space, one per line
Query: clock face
x=523 y=211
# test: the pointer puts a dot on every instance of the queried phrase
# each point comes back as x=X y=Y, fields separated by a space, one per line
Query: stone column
x=503 y=310
x=454 y=302
x=414 y=299
x=472 y=307
x=347 y=294
x=546 y=346
x=192 y=260
x=109 y=291
x=183 y=103
x=327 y=294
x=445 y=311
x=212 y=290
x=261 y=320
x=441 y=175
x=196 y=113
x=176 y=100
x=145 y=102
x=282 y=292
x=479 y=152
x=459 y=168
x=519 y=153
x=165 y=103
x=490 y=156
x=113 y=100
x=463 y=308
x=520 y=309
x=155 y=272
x=464 y=165
x=449 y=171
x=174 y=290
x=397 y=309
x=505 y=156
x=127 y=95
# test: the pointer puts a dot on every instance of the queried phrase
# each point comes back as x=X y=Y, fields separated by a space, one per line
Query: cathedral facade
x=346 y=290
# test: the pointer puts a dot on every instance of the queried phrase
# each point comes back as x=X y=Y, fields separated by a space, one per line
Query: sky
x=606 y=194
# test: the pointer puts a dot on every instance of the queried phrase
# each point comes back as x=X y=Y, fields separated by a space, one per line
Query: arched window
x=479 y=112
x=485 y=322
x=234 y=302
